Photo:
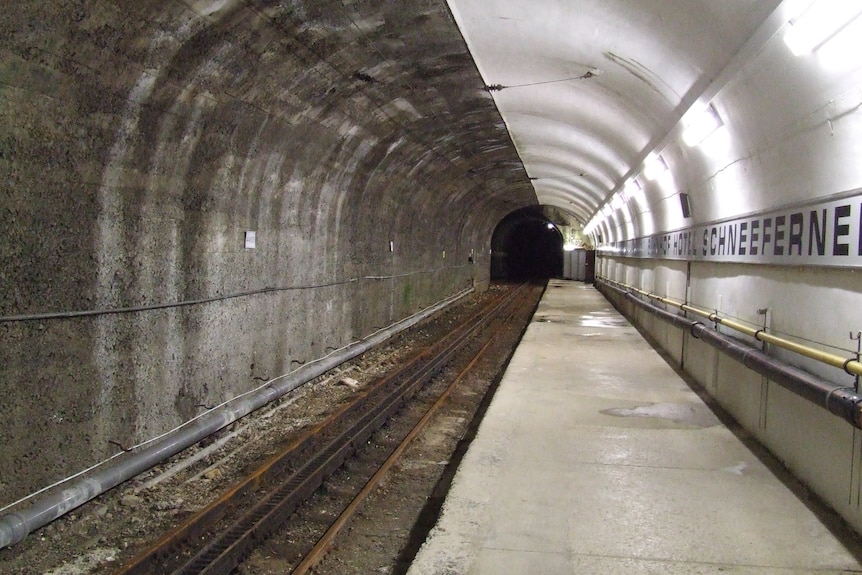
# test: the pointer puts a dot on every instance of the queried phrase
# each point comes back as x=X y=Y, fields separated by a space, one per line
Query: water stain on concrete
x=603 y=320
x=692 y=414
x=550 y=319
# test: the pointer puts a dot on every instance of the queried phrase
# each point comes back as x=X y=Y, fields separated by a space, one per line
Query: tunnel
x=202 y=195
x=526 y=245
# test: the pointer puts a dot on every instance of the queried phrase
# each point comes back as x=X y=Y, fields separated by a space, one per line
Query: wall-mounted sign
x=820 y=233
x=250 y=240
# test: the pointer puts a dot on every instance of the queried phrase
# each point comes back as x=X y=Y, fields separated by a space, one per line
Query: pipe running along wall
x=850 y=365
x=843 y=402
x=15 y=526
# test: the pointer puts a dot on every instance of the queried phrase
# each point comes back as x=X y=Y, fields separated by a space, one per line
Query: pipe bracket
x=833 y=392
x=847 y=404
x=695 y=324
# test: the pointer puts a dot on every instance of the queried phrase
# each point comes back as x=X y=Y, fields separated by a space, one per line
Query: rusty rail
x=316 y=554
x=234 y=524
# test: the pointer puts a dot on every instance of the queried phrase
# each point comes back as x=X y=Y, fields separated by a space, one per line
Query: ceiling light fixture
x=701 y=125
x=633 y=190
x=654 y=166
x=819 y=23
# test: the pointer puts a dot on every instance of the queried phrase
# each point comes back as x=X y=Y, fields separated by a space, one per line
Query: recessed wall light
x=819 y=23
x=700 y=125
x=654 y=166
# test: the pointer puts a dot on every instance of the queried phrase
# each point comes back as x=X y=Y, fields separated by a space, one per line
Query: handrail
x=850 y=365
x=844 y=402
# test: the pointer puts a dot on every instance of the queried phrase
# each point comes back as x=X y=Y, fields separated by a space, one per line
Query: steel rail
x=225 y=550
x=66 y=495
x=324 y=544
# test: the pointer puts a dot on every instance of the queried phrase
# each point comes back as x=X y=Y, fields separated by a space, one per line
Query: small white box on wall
x=250 y=240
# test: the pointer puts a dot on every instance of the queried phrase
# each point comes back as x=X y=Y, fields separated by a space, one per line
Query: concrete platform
x=596 y=457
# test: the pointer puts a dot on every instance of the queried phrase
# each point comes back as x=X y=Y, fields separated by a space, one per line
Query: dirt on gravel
x=109 y=530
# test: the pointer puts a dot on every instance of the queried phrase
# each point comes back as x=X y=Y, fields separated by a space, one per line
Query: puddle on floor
x=550 y=319
x=603 y=320
x=697 y=415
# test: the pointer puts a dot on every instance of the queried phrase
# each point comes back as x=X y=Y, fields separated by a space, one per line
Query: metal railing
x=850 y=365
x=845 y=402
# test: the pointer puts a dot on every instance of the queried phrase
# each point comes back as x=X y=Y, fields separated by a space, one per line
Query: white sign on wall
x=820 y=233
x=250 y=240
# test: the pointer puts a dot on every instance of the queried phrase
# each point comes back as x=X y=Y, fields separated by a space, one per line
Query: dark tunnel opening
x=526 y=245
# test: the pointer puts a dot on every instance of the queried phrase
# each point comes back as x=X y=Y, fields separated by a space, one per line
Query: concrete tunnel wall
x=139 y=141
x=790 y=137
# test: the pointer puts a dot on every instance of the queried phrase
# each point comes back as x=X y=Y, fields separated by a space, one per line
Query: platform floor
x=595 y=456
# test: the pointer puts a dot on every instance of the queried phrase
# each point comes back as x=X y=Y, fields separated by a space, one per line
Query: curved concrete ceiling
x=587 y=89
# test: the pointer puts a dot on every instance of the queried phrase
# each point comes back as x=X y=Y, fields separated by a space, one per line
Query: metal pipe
x=843 y=402
x=850 y=365
x=15 y=526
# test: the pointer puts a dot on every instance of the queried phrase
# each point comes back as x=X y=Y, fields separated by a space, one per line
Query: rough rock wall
x=139 y=141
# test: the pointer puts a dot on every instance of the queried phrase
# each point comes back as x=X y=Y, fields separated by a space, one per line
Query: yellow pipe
x=851 y=366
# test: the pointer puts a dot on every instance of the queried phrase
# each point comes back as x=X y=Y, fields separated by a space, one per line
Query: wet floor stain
x=738 y=469
x=550 y=319
x=603 y=320
x=696 y=415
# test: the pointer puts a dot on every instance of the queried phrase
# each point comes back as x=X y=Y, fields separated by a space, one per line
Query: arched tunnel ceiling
x=588 y=88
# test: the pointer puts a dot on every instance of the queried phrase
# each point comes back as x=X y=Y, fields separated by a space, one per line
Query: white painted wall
x=792 y=132
x=821 y=449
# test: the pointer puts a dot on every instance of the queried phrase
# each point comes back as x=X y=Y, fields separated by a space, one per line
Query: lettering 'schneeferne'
x=827 y=233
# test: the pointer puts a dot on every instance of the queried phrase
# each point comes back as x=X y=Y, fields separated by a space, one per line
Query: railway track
x=339 y=461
